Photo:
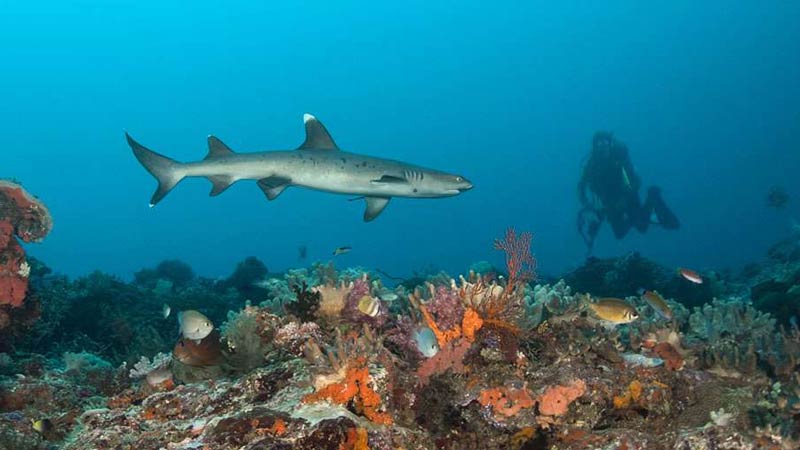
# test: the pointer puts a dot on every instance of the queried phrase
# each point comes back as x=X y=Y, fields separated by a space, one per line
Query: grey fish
x=194 y=325
x=317 y=164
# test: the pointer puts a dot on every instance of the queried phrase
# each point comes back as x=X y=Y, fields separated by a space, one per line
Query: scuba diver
x=609 y=190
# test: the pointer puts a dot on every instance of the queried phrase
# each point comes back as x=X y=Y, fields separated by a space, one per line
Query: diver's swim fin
x=666 y=218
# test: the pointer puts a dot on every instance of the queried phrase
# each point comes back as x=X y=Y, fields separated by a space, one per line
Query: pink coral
x=449 y=357
x=555 y=400
x=506 y=401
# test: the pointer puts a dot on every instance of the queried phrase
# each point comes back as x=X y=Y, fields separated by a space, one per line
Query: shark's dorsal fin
x=217 y=148
x=273 y=186
x=375 y=205
x=317 y=137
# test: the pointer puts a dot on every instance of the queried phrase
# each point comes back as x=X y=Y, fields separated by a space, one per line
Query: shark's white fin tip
x=151 y=205
x=307 y=117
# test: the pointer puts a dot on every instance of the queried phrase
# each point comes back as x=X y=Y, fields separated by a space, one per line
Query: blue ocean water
x=508 y=94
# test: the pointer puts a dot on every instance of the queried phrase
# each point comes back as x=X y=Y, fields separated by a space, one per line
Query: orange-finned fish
x=657 y=302
x=690 y=275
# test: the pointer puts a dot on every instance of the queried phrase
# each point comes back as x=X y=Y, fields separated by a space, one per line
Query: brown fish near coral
x=614 y=310
x=657 y=302
x=208 y=352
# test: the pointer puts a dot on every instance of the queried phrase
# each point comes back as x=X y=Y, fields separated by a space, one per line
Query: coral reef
x=25 y=218
x=336 y=363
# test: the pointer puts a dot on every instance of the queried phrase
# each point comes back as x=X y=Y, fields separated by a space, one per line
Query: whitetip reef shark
x=317 y=164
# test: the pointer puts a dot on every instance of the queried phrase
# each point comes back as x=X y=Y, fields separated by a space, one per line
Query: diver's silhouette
x=609 y=190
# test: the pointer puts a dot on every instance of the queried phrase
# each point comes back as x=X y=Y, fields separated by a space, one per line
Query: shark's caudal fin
x=317 y=137
x=167 y=171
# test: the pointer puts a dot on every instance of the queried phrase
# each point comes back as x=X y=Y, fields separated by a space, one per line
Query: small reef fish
x=657 y=302
x=369 y=305
x=341 y=250
x=635 y=359
x=690 y=275
x=426 y=341
x=614 y=310
x=206 y=352
x=42 y=426
x=165 y=310
x=388 y=296
x=625 y=178
x=194 y=325
x=263 y=283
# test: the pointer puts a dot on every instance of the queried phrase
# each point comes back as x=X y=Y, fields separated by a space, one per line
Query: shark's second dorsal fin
x=317 y=137
x=217 y=148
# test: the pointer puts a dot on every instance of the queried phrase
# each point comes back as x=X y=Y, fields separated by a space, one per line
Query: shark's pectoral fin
x=317 y=137
x=217 y=148
x=273 y=186
x=375 y=205
x=389 y=179
x=219 y=184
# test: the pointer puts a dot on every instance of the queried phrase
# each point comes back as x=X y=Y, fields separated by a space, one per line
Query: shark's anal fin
x=375 y=205
x=317 y=137
x=273 y=186
x=219 y=184
x=389 y=179
x=217 y=148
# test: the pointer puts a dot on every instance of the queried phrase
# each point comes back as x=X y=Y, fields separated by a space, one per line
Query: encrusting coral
x=21 y=217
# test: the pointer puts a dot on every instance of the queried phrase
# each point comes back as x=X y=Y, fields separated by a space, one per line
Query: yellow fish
x=369 y=305
x=657 y=302
x=42 y=426
x=614 y=310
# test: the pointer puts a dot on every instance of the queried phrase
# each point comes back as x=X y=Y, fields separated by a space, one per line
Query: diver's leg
x=655 y=204
x=620 y=224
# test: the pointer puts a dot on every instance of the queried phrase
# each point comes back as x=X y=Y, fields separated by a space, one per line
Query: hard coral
x=354 y=388
x=555 y=400
x=25 y=217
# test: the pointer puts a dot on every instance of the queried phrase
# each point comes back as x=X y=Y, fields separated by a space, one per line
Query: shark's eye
x=459 y=179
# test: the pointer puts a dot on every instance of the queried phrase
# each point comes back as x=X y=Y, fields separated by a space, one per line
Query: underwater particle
x=165 y=310
x=614 y=310
x=690 y=275
x=205 y=352
x=555 y=400
x=194 y=325
x=341 y=250
x=657 y=302
x=425 y=341
x=369 y=305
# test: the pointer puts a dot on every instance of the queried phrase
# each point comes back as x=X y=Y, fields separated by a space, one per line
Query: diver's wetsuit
x=609 y=190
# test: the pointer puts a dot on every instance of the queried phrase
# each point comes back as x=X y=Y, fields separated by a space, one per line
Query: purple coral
x=446 y=308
